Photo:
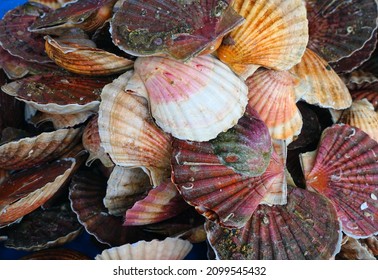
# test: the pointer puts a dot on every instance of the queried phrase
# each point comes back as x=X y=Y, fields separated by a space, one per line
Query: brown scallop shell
x=53 y=4
x=360 y=80
x=86 y=194
x=161 y=203
x=167 y=249
x=352 y=249
x=56 y=254
x=125 y=187
x=60 y=121
x=370 y=95
x=344 y=169
x=327 y=90
x=27 y=190
x=84 y=60
x=31 y=151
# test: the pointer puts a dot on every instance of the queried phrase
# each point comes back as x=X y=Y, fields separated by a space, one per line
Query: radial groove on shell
x=306 y=227
x=274 y=35
x=167 y=249
x=370 y=95
x=30 y=151
x=339 y=28
x=188 y=100
x=125 y=187
x=327 y=90
x=345 y=171
x=136 y=142
x=272 y=95
x=180 y=29
x=161 y=203
x=219 y=177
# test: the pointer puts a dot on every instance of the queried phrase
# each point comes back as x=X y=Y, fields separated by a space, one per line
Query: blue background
x=84 y=243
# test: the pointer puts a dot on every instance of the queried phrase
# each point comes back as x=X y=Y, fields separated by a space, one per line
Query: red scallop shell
x=306 y=227
x=370 y=95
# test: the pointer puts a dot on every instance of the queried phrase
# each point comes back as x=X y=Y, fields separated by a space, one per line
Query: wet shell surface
x=135 y=141
x=27 y=190
x=167 y=249
x=344 y=170
x=219 y=177
x=274 y=35
x=161 y=203
x=30 y=151
x=188 y=100
x=327 y=90
x=306 y=227
x=125 y=187
x=272 y=95
x=339 y=28
x=180 y=29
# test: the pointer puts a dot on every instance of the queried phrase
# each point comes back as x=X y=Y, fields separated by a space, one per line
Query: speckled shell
x=161 y=203
x=327 y=90
x=272 y=95
x=27 y=190
x=167 y=249
x=128 y=133
x=30 y=151
x=274 y=35
x=339 y=28
x=219 y=177
x=87 y=191
x=87 y=15
x=180 y=29
x=306 y=227
x=92 y=143
x=345 y=170
x=84 y=60
x=188 y=100
x=125 y=187
x=58 y=94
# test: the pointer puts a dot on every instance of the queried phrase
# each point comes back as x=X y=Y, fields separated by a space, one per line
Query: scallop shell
x=362 y=115
x=58 y=94
x=62 y=120
x=371 y=96
x=272 y=95
x=339 y=28
x=372 y=244
x=53 y=4
x=345 y=171
x=125 y=187
x=84 y=60
x=87 y=15
x=43 y=229
x=352 y=249
x=17 y=39
x=274 y=35
x=161 y=203
x=219 y=177
x=360 y=80
x=27 y=190
x=87 y=191
x=327 y=90
x=305 y=228
x=167 y=249
x=92 y=143
x=188 y=100
x=136 y=142
x=30 y=151
x=180 y=29
x=56 y=254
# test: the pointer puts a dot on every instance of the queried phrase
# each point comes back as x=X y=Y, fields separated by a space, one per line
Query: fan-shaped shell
x=60 y=121
x=136 y=142
x=84 y=60
x=345 y=171
x=161 y=203
x=274 y=35
x=370 y=95
x=125 y=187
x=360 y=80
x=339 y=28
x=352 y=249
x=272 y=95
x=326 y=87
x=188 y=100
x=167 y=249
x=27 y=190
x=30 y=151
x=305 y=228
x=58 y=94
x=180 y=29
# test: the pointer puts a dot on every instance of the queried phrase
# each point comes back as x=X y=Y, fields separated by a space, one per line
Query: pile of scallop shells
x=154 y=125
